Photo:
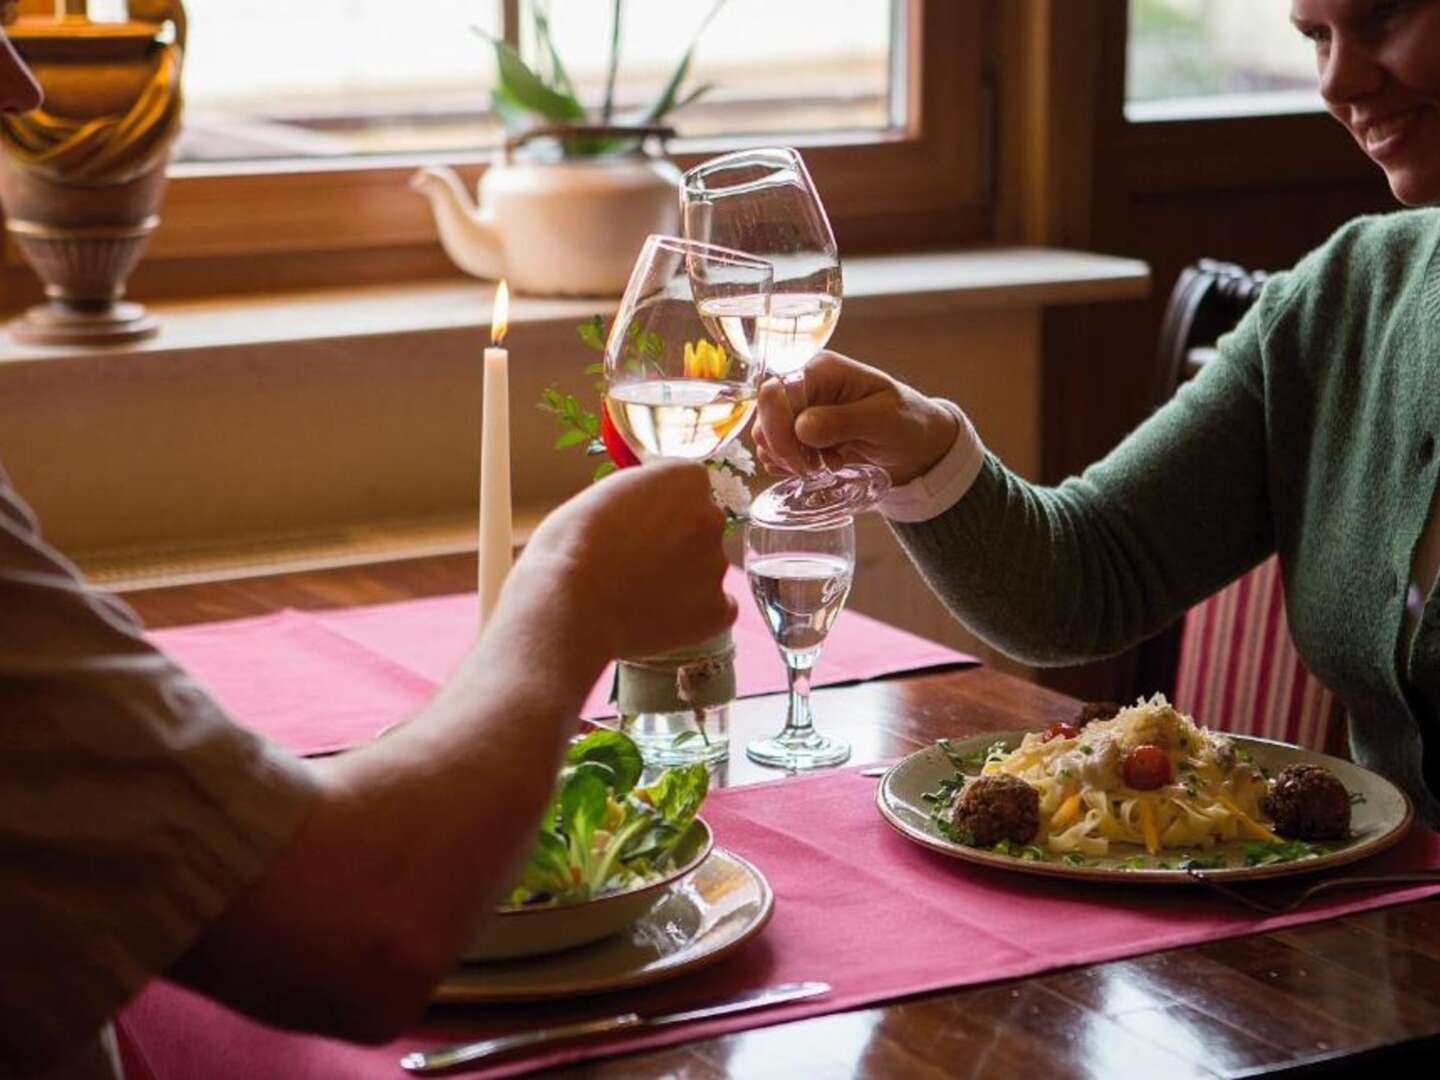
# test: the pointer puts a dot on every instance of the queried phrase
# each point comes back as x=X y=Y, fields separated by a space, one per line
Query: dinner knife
x=428 y=1062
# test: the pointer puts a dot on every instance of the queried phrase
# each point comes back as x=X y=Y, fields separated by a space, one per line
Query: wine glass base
x=805 y=750
x=808 y=502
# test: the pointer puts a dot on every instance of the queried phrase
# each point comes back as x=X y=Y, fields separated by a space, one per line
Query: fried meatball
x=995 y=808
x=1096 y=710
x=1307 y=802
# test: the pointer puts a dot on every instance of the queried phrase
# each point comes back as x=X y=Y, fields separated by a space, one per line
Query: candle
x=495 y=525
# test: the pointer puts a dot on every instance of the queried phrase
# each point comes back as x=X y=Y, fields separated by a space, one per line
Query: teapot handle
x=561 y=131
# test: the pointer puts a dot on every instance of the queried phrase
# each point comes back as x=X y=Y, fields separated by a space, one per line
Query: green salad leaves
x=601 y=833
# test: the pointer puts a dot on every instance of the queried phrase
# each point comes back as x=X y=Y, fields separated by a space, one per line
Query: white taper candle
x=496 y=537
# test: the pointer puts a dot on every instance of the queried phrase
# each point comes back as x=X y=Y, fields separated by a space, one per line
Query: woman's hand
x=853 y=413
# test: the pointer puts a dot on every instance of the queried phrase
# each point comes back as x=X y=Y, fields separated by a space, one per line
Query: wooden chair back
x=1230 y=661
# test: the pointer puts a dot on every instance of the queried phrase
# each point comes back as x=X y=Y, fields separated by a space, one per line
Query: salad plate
x=1381 y=815
x=605 y=849
x=701 y=918
x=531 y=931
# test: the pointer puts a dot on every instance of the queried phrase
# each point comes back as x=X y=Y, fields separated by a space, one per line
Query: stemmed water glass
x=678 y=383
x=764 y=202
x=800 y=577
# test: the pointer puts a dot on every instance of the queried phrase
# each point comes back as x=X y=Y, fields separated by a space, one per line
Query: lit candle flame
x=500 y=318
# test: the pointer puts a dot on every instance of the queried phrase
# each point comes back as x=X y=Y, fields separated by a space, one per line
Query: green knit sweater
x=1313 y=435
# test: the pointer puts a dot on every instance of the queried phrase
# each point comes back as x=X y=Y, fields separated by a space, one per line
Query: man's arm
x=415 y=836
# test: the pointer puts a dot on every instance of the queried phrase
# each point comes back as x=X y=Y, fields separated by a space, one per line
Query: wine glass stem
x=798 y=662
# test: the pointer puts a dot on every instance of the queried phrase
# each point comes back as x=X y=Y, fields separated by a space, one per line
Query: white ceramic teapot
x=559 y=226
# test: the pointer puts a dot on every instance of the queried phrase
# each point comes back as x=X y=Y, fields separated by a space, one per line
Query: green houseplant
x=575 y=193
x=542 y=94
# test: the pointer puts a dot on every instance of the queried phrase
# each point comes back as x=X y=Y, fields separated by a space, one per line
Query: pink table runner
x=857 y=906
x=322 y=681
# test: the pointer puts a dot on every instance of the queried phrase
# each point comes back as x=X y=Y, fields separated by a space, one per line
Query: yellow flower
x=706 y=360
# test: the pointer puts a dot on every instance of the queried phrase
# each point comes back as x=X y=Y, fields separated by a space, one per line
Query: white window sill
x=931 y=283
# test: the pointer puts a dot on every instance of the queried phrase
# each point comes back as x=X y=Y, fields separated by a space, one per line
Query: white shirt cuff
x=931 y=494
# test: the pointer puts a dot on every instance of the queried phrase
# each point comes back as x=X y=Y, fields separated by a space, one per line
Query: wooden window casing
x=267 y=226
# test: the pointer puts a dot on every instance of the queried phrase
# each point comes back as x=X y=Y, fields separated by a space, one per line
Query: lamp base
x=58 y=323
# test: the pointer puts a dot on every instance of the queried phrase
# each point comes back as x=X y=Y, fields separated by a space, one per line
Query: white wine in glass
x=796 y=328
x=680 y=418
x=676 y=386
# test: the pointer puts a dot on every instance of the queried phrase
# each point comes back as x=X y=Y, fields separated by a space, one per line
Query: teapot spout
x=467 y=234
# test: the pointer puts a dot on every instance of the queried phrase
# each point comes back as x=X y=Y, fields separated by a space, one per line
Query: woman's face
x=18 y=90
x=1379 y=63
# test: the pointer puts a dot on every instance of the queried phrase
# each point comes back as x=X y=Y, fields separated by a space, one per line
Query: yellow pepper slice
x=1149 y=827
x=1067 y=812
x=1247 y=823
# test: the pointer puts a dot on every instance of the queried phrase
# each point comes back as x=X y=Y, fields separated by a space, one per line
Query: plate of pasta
x=1141 y=794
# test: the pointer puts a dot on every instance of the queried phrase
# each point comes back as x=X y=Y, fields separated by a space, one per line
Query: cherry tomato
x=1147 y=768
x=1060 y=730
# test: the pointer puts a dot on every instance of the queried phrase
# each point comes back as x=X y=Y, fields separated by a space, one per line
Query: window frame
x=264 y=226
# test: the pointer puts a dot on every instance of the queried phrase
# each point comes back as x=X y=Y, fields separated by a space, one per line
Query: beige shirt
x=131 y=809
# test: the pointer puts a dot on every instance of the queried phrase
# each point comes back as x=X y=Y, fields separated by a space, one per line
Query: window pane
x=274 y=78
x=1215 y=58
x=776 y=66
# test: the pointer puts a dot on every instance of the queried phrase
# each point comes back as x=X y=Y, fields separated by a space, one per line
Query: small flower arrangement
x=596 y=431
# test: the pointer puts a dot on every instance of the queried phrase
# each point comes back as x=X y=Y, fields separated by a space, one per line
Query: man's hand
x=853 y=413
x=635 y=562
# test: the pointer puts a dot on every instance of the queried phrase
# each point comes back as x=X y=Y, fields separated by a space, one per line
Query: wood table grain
x=1336 y=998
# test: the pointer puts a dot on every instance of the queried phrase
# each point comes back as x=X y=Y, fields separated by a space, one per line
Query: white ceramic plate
x=703 y=917
x=1377 y=822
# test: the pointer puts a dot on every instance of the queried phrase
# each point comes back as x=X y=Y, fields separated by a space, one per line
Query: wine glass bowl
x=678 y=383
x=764 y=201
x=800 y=578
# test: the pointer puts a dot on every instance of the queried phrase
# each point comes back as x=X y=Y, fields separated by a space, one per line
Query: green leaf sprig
x=544 y=93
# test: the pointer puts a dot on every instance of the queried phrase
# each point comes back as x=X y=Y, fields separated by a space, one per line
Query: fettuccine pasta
x=1209 y=795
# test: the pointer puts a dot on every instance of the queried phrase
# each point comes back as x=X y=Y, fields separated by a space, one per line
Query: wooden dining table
x=1357 y=992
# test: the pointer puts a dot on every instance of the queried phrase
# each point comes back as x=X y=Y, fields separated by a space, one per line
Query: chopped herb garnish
x=1262 y=854
x=1245 y=756
x=1356 y=798
x=1028 y=852
x=1186 y=765
x=1134 y=862
x=1074 y=858
x=944 y=795
x=1215 y=861
x=977 y=759
x=1086 y=749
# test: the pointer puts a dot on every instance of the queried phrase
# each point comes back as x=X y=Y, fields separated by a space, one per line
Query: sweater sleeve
x=1067 y=574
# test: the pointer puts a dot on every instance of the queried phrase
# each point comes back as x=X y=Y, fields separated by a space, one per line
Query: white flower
x=729 y=492
x=737 y=455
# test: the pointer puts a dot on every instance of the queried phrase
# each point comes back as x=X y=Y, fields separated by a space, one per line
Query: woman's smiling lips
x=1383 y=137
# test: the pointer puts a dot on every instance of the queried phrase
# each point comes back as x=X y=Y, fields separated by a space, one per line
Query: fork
x=1267 y=907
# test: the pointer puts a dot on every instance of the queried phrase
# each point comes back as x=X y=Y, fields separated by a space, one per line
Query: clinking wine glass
x=764 y=202
x=679 y=384
x=682 y=385
x=800 y=577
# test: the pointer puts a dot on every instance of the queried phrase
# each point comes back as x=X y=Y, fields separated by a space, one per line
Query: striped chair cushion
x=1239 y=671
